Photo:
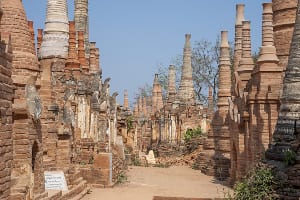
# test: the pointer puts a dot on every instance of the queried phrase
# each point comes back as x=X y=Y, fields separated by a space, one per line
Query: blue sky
x=135 y=36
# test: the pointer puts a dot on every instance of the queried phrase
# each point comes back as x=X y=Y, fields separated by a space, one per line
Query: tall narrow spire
x=246 y=63
x=144 y=106
x=93 y=59
x=72 y=61
x=186 y=88
x=39 y=41
x=154 y=94
x=126 y=104
x=56 y=33
x=268 y=62
x=210 y=103
x=267 y=50
x=98 y=62
x=140 y=110
x=157 y=102
x=81 y=17
x=81 y=52
x=31 y=30
x=224 y=72
x=238 y=35
x=171 y=84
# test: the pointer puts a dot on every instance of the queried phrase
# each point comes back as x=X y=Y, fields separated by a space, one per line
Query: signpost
x=55 y=180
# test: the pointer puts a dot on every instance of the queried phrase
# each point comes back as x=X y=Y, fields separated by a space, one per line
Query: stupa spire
x=186 y=88
x=171 y=84
x=81 y=18
x=224 y=71
x=56 y=33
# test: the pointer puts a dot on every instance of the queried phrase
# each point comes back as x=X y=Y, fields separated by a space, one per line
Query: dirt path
x=146 y=182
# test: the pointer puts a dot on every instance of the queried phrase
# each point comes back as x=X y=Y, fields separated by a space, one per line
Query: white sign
x=55 y=180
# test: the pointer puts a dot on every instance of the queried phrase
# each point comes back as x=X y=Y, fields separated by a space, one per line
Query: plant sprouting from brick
x=121 y=178
x=91 y=160
x=290 y=157
x=190 y=133
x=258 y=184
x=129 y=124
x=136 y=162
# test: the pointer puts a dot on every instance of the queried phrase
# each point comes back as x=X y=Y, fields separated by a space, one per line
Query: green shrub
x=290 y=157
x=258 y=185
x=121 y=178
x=129 y=123
x=190 y=133
x=195 y=166
x=136 y=162
x=91 y=160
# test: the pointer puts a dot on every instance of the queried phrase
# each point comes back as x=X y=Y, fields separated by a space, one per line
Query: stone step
x=81 y=195
x=73 y=177
x=75 y=191
x=17 y=196
x=77 y=181
x=19 y=190
x=53 y=195
x=41 y=196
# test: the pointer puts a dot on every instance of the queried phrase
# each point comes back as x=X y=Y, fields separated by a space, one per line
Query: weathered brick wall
x=27 y=160
x=284 y=19
x=6 y=96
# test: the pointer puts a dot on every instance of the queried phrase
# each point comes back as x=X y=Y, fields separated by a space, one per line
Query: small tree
x=143 y=91
x=258 y=184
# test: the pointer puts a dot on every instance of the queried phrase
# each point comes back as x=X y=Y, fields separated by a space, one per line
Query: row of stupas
x=257 y=108
x=159 y=121
x=57 y=114
x=259 y=120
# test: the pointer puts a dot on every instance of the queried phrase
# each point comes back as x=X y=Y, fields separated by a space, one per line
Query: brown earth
x=146 y=182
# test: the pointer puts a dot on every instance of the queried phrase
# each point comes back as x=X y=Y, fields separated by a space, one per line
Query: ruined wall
x=283 y=151
x=283 y=19
x=27 y=147
x=6 y=97
x=254 y=108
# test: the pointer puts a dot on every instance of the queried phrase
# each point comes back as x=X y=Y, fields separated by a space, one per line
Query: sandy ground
x=146 y=182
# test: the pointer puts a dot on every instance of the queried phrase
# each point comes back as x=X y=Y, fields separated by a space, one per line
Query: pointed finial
x=187 y=41
x=240 y=14
x=224 y=39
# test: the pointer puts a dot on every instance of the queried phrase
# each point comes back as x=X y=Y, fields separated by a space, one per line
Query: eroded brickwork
x=215 y=159
x=285 y=143
x=6 y=126
x=27 y=165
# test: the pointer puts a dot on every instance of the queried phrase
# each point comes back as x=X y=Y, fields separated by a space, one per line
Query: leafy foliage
x=136 y=162
x=121 y=178
x=129 y=123
x=258 y=184
x=190 y=133
x=290 y=157
x=143 y=91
